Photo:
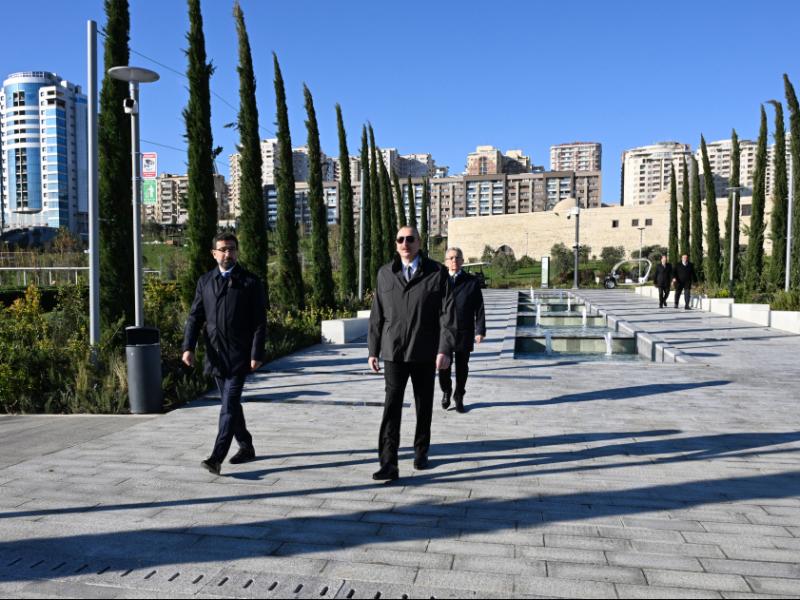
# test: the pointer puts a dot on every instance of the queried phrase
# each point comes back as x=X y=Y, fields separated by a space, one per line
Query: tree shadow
x=198 y=543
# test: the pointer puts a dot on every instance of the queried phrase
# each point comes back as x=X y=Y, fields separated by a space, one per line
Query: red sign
x=149 y=165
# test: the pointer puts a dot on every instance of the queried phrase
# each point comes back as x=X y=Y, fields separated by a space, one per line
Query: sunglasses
x=409 y=239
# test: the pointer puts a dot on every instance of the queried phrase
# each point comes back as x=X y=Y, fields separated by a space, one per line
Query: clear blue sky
x=444 y=77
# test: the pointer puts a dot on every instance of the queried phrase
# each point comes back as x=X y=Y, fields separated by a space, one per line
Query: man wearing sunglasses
x=412 y=326
x=230 y=308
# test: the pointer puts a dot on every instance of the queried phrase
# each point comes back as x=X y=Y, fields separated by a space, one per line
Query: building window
x=648 y=222
x=635 y=223
x=614 y=224
x=747 y=210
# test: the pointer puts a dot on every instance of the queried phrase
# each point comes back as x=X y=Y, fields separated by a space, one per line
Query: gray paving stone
x=610 y=574
x=571 y=555
x=769 y=585
x=706 y=581
x=657 y=593
x=655 y=561
x=550 y=587
x=494 y=564
x=480 y=582
x=458 y=547
x=751 y=567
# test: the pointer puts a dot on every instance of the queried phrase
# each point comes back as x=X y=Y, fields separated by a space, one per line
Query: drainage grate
x=377 y=591
x=233 y=583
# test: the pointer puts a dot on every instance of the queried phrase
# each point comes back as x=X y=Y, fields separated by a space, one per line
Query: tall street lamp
x=789 y=232
x=575 y=211
x=734 y=232
x=134 y=76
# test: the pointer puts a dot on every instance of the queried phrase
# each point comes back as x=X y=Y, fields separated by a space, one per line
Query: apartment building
x=647 y=171
x=171 y=207
x=576 y=156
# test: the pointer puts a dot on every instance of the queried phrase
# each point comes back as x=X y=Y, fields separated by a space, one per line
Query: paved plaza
x=596 y=479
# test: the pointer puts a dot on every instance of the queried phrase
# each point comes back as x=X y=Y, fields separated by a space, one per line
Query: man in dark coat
x=471 y=320
x=412 y=326
x=684 y=278
x=663 y=281
x=231 y=303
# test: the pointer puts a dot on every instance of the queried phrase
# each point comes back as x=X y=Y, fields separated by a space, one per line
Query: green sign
x=149 y=192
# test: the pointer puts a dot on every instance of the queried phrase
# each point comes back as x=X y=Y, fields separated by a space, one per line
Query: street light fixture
x=575 y=211
x=641 y=237
x=134 y=76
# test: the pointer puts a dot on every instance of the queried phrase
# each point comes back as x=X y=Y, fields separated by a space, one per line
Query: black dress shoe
x=446 y=400
x=242 y=456
x=687 y=308
x=386 y=473
x=460 y=404
x=421 y=462
x=212 y=466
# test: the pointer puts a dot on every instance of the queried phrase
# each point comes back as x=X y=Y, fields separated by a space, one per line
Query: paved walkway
x=564 y=479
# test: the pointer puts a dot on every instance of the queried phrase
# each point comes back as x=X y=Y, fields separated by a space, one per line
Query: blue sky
x=444 y=77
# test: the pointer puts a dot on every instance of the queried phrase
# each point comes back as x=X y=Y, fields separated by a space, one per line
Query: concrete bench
x=344 y=331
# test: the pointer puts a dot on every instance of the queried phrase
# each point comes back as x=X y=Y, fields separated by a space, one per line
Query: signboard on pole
x=545 y=271
x=149 y=165
x=149 y=192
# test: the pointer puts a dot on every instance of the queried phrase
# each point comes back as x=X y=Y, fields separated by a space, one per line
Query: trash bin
x=143 y=354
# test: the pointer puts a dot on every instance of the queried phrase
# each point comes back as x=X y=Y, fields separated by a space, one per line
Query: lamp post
x=575 y=211
x=789 y=227
x=734 y=233
x=641 y=238
x=361 y=238
x=134 y=76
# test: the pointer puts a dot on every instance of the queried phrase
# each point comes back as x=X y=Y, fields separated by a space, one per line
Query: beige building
x=647 y=171
x=534 y=234
x=576 y=156
x=171 y=199
x=719 y=159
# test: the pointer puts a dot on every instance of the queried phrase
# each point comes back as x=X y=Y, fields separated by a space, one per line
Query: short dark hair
x=225 y=236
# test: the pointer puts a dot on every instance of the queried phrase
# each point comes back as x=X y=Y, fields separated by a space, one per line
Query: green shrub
x=786 y=300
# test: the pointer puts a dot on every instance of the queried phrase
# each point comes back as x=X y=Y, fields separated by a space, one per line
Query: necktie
x=408 y=273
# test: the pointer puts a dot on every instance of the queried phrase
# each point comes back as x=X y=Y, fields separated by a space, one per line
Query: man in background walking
x=231 y=303
x=684 y=278
x=663 y=281
x=412 y=326
x=471 y=320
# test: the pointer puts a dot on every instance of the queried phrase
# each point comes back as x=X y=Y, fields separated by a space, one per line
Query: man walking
x=471 y=322
x=684 y=278
x=231 y=303
x=663 y=281
x=412 y=326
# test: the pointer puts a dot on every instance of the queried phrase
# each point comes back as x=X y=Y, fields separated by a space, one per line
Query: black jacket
x=412 y=321
x=235 y=317
x=470 y=315
x=685 y=274
x=663 y=278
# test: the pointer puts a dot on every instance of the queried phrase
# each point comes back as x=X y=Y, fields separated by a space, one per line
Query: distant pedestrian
x=412 y=326
x=230 y=302
x=663 y=281
x=684 y=278
x=471 y=320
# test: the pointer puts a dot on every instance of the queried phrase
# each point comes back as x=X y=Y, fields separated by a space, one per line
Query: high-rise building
x=234 y=185
x=488 y=160
x=647 y=170
x=719 y=159
x=416 y=165
x=43 y=144
x=171 y=206
x=576 y=156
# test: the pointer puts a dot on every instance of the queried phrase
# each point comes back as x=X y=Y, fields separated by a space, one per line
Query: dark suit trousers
x=231 y=417
x=396 y=375
x=663 y=296
x=686 y=289
x=462 y=371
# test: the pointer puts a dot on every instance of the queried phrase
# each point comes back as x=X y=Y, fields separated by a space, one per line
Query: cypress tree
x=289 y=291
x=732 y=228
x=201 y=225
x=780 y=198
x=398 y=194
x=322 y=291
x=114 y=190
x=348 y=281
x=754 y=260
x=252 y=224
x=424 y=209
x=386 y=209
x=685 y=211
x=392 y=212
x=794 y=129
x=713 y=260
x=377 y=249
x=673 y=218
x=412 y=205
x=366 y=214
x=696 y=246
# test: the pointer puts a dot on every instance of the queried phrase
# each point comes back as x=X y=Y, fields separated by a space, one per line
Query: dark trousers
x=686 y=288
x=396 y=375
x=231 y=417
x=663 y=295
x=462 y=371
